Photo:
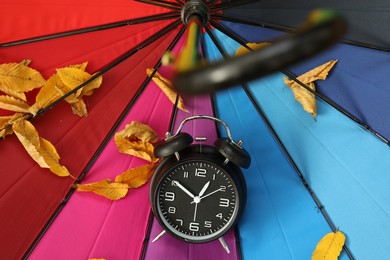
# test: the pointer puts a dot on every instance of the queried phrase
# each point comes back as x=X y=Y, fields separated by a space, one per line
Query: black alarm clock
x=198 y=191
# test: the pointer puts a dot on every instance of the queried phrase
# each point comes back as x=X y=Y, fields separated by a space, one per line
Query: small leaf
x=41 y=150
x=51 y=91
x=140 y=149
x=72 y=77
x=136 y=177
x=6 y=124
x=106 y=188
x=166 y=86
x=138 y=131
x=253 y=46
x=13 y=93
x=19 y=77
x=136 y=139
x=12 y=104
x=302 y=95
x=329 y=247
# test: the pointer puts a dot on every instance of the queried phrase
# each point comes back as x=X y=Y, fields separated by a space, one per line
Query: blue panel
x=359 y=81
x=346 y=166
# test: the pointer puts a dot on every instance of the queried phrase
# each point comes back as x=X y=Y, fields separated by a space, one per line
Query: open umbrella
x=343 y=164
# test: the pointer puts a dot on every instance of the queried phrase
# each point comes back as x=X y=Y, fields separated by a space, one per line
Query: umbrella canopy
x=341 y=166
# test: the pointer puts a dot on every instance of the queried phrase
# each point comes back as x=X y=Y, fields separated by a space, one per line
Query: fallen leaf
x=302 y=95
x=329 y=247
x=40 y=149
x=253 y=46
x=138 y=176
x=166 y=86
x=6 y=124
x=12 y=104
x=138 y=131
x=106 y=188
x=140 y=149
x=72 y=77
x=51 y=91
x=19 y=77
x=13 y=93
x=136 y=139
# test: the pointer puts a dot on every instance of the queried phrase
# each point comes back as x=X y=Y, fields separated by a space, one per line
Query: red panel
x=24 y=19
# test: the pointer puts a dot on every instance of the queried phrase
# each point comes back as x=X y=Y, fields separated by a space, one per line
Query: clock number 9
x=169 y=196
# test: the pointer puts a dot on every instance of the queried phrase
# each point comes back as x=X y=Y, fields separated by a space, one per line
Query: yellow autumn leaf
x=138 y=131
x=166 y=86
x=72 y=77
x=19 y=77
x=6 y=124
x=12 y=104
x=136 y=177
x=40 y=149
x=329 y=247
x=106 y=188
x=140 y=149
x=253 y=46
x=13 y=93
x=302 y=95
x=51 y=91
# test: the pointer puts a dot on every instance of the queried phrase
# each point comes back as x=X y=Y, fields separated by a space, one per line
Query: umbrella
x=342 y=163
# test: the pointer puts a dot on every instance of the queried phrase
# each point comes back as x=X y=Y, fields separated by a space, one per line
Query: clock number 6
x=194 y=226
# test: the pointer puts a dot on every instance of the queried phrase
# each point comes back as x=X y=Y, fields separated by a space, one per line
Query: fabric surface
x=345 y=166
x=368 y=22
x=26 y=188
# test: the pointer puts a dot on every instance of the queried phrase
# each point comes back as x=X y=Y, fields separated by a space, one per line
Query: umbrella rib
x=141 y=20
x=293 y=77
x=102 y=146
x=114 y=63
x=165 y=4
x=274 y=134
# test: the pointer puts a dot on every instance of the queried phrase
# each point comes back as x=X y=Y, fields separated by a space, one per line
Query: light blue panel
x=281 y=220
x=347 y=167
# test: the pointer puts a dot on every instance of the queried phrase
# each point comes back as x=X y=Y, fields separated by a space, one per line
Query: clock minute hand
x=184 y=189
x=211 y=193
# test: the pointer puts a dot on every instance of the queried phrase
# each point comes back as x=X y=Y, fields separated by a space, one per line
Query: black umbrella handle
x=316 y=36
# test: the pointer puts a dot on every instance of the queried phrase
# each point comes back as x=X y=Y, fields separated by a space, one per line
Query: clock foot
x=224 y=245
x=159 y=236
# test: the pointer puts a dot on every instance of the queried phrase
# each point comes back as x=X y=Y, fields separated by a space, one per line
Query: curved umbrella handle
x=323 y=29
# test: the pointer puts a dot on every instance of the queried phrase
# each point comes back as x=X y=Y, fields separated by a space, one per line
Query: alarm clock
x=198 y=191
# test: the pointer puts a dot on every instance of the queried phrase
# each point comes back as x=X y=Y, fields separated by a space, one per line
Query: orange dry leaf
x=138 y=176
x=6 y=124
x=18 y=77
x=302 y=95
x=12 y=104
x=136 y=139
x=107 y=188
x=140 y=149
x=72 y=77
x=41 y=150
x=253 y=46
x=329 y=247
x=137 y=130
x=166 y=86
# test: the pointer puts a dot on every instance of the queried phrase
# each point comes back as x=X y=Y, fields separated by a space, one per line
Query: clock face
x=197 y=200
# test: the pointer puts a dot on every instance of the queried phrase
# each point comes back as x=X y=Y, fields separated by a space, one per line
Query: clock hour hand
x=184 y=189
x=204 y=189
